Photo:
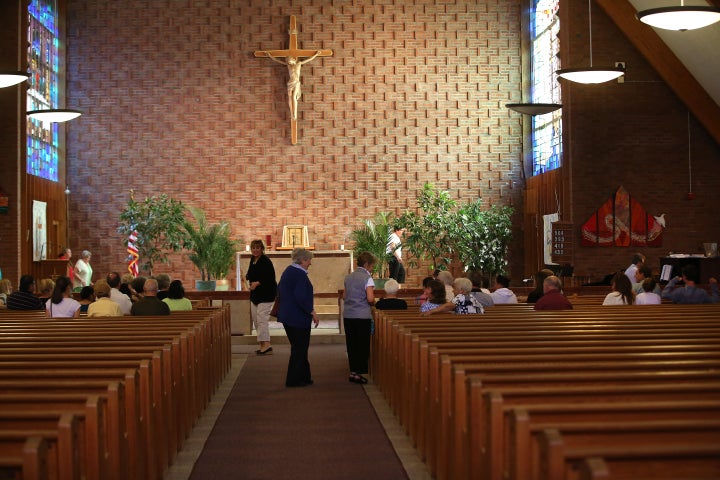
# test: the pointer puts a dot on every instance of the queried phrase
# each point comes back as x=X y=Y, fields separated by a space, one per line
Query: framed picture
x=295 y=236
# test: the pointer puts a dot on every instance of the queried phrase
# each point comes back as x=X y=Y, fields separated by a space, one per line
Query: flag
x=133 y=256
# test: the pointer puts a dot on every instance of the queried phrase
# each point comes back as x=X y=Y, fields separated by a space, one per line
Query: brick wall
x=634 y=134
x=175 y=102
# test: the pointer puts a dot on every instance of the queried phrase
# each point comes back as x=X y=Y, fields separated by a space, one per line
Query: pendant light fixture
x=533 y=108
x=54 y=115
x=680 y=18
x=8 y=78
x=591 y=74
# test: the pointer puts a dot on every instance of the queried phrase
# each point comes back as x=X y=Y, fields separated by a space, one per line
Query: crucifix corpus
x=294 y=58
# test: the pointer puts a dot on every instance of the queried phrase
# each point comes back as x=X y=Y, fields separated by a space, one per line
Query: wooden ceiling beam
x=666 y=64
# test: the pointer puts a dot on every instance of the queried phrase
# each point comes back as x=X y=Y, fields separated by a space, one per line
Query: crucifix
x=293 y=55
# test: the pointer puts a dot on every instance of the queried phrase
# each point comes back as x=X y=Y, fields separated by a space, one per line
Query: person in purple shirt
x=690 y=293
x=24 y=297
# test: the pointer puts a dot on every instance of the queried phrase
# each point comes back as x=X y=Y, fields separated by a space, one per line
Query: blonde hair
x=463 y=284
x=45 y=285
x=445 y=277
x=5 y=286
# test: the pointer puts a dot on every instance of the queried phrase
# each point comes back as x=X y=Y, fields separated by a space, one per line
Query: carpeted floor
x=326 y=431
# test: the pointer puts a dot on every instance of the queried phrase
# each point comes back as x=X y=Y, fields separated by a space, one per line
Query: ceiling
x=689 y=62
x=698 y=50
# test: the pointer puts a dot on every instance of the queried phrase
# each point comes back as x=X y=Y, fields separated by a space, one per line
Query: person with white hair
x=465 y=302
x=390 y=301
x=83 y=271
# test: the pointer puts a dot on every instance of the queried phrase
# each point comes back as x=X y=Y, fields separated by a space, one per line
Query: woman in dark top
x=263 y=290
x=391 y=302
x=297 y=313
x=536 y=294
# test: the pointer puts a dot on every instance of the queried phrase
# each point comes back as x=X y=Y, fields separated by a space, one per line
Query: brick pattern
x=635 y=134
x=175 y=102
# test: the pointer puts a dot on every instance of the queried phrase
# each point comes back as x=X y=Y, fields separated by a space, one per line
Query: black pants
x=357 y=341
x=397 y=270
x=298 y=372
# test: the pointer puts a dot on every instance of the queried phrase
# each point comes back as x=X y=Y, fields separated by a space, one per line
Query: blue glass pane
x=43 y=60
x=545 y=49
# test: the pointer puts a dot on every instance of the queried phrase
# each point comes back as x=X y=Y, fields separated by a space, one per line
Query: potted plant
x=429 y=228
x=372 y=236
x=212 y=249
x=481 y=237
x=156 y=224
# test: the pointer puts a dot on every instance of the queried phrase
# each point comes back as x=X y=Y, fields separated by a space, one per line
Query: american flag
x=134 y=256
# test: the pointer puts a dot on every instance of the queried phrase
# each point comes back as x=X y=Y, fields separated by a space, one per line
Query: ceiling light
x=8 y=79
x=533 y=108
x=54 y=115
x=591 y=74
x=680 y=18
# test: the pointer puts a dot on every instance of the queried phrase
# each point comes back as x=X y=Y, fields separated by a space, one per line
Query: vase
x=222 y=285
x=205 y=285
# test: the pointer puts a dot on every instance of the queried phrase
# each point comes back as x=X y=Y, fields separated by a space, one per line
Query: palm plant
x=212 y=249
x=372 y=236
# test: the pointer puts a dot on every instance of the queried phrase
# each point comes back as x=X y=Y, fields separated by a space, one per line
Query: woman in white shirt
x=648 y=295
x=83 y=271
x=61 y=304
x=622 y=293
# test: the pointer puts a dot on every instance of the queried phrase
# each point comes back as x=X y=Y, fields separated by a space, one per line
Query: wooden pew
x=90 y=411
x=23 y=456
x=59 y=430
x=671 y=454
x=205 y=351
x=401 y=359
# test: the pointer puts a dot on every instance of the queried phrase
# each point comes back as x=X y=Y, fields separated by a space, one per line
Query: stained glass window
x=545 y=48
x=43 y=61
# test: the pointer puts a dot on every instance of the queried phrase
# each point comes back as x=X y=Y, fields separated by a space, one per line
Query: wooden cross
x=293 y=62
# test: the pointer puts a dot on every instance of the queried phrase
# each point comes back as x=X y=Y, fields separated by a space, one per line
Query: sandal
x=355 y=378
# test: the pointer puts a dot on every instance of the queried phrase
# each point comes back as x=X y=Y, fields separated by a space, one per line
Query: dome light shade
x=533 y=108
x=591 y=74
x=8 y=79
x=680 y=18
x=54 y=115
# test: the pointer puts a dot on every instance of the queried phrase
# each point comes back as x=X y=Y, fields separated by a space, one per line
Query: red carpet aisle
x=326 y=431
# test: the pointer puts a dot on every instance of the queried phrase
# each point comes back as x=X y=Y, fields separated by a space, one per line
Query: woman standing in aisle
x=263 y=290
x=296 y=313
x=83 y=271
x=359 y=297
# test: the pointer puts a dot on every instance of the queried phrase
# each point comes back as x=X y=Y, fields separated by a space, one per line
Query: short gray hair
x=463 y=284
x=300 y=254
x=445 y=277
x=86 y=254
x=392 y=286
x=553 y=281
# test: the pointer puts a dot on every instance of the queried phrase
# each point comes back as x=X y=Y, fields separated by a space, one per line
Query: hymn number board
x=563 y=241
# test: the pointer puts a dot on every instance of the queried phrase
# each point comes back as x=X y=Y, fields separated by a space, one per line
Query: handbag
x=275 y=307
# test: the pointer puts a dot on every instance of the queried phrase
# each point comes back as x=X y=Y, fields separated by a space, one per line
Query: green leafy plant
x=429 y=228
x=157 y=221
x=212 y=249
x=481 y=237
x=372 y=236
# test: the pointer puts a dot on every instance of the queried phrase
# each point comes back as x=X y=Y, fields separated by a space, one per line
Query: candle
x=342 y=246
x=247 y=248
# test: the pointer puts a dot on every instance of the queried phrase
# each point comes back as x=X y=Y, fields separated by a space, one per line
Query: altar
x=327 y=272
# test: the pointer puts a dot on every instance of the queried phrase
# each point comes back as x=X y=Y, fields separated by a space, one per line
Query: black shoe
x=267 y=351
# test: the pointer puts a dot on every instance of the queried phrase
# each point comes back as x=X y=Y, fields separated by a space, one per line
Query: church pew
x=23 y=457
x=586 y=424
x=670 y=456
x=444 y=432
x=501 y=430
x=445 y=326
x=96 y=459
x=219 y=366
x=676 y=464
x=59 y=430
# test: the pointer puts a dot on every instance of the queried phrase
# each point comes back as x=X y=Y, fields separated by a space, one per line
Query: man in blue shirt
x=24 y=298
x=690 y=293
